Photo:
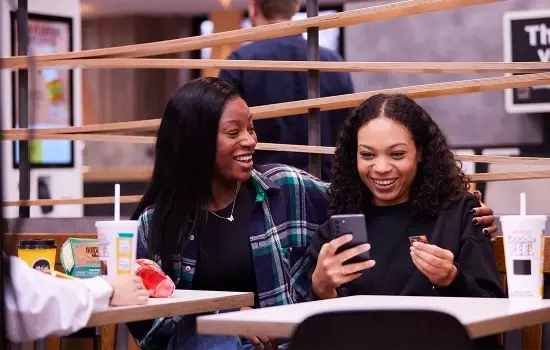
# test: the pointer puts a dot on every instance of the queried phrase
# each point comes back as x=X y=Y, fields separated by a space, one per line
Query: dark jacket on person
x=389 y=229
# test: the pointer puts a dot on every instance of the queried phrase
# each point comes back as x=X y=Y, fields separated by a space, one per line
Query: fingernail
x=475 y=221
x=477 y=192
x=473 y=211
x=486 y=231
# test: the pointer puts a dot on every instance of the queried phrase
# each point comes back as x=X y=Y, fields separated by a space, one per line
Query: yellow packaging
x=38 y=253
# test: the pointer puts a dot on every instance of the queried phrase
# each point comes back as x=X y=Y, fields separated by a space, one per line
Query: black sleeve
x=478 y=275
x=322 y=236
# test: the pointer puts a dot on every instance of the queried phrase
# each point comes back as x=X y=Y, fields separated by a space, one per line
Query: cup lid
x=523 y=217
x=37 y=244
x=112 y=223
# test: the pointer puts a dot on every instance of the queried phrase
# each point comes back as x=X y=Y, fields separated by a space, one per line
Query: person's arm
x=477 y=274
x=39 y=305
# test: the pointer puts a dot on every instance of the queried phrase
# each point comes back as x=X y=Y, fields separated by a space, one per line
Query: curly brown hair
x=439 y=179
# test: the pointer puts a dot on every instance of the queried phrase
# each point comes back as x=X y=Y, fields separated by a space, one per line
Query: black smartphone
x=356 y=225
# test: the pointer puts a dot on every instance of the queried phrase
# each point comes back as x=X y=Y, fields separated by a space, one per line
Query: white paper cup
x=524 y=253
x=117 y=241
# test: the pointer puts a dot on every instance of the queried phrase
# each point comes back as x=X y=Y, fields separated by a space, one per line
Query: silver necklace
x=230 y=218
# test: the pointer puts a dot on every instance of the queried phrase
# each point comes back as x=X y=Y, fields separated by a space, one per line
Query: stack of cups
x=117 y=241
x=524 y=252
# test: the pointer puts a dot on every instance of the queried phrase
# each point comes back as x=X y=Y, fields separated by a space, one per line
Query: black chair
x=381 y=330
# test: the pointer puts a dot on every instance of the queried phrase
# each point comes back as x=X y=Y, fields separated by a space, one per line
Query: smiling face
x=387 y=160
x=236 y=142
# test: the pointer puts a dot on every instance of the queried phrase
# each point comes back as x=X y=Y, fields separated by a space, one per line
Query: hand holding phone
x=344 y=258
x=355 y=225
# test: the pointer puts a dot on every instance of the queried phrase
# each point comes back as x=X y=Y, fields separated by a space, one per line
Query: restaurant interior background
x=475 y=123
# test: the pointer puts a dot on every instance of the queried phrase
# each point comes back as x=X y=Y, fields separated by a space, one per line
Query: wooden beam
x=302 y=66
x=324 y=103
x=341 y=19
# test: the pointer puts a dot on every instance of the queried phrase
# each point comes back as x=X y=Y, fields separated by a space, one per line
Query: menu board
x=527 y=39
x=50 y=91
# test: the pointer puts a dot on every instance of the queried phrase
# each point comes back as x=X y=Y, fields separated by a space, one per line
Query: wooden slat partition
x=323 y=103
x=517 y=175
x=341 y=19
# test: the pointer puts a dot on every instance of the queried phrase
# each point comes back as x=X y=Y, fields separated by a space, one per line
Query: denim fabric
x=186 y=337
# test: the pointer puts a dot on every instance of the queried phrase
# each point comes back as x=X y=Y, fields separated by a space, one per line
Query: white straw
x=522 y=204
x=117 y=202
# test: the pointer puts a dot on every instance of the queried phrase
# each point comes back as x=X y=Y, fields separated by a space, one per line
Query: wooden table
x=182 y=302
x=480 y=316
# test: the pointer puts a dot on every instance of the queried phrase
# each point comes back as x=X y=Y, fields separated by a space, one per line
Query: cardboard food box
x=80 y=257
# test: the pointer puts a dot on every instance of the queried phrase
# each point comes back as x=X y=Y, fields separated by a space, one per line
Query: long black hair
x=185 y=152
x=439 y=179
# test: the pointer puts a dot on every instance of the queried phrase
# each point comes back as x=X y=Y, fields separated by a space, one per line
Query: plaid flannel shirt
x=290 y=205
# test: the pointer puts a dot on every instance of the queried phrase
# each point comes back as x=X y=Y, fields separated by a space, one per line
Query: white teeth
x=384 y=182
x=243 y=158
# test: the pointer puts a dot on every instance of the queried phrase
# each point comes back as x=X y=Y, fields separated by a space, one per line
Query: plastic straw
x=522 y=204
x=117 y=202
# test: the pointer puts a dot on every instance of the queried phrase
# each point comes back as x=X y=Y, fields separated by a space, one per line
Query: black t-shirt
x=224 y=261
x=389 y=229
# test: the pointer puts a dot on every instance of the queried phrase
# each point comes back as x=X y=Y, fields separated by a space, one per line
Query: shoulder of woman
x=465 y=202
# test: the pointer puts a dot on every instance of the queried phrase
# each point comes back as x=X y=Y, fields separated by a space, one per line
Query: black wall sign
x=527 y=39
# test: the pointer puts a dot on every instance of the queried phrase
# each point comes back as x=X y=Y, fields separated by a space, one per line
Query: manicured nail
x=486 y=231
x=475 y=221
x=477 y=192
x=473 y=211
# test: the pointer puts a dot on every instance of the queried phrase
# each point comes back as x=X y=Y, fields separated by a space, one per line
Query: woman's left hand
x=435 y=263
x=484 y=216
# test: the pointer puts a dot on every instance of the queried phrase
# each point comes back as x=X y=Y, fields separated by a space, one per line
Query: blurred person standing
x=268 y=87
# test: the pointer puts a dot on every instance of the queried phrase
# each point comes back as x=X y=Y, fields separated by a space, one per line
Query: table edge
x=106 y=317
x=508 y=323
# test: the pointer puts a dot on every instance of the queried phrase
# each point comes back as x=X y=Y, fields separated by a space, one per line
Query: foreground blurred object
x=66 y=305
x=52 y=303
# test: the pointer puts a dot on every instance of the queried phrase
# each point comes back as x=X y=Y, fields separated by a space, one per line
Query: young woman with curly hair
x=394 y=165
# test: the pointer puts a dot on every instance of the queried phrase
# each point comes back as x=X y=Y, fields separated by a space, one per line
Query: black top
x=389 y=229
x=224 y=261
x=260 y=88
